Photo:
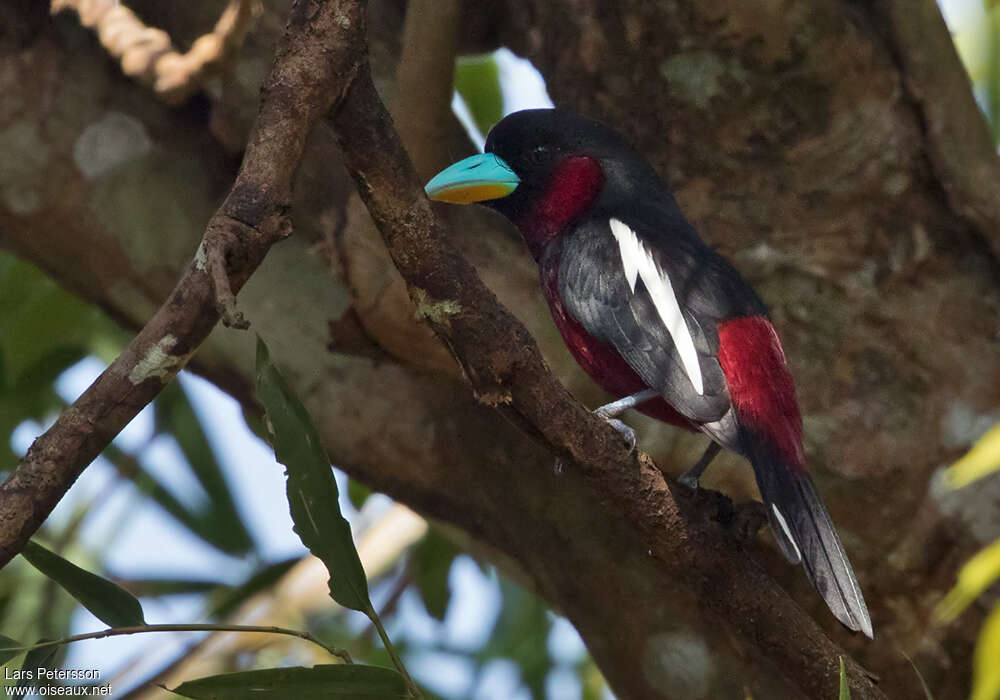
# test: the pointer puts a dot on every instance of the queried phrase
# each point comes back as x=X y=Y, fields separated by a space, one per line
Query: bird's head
x=543 y=168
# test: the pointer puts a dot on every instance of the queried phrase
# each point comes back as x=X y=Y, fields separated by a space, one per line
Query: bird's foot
x=628 y=435
x=691 y=477
x=609 y=412
x=690 y=480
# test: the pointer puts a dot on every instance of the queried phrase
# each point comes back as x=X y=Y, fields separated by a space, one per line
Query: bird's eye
x=537 y=154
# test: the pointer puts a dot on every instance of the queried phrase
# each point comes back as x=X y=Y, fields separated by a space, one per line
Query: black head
x=544 y=168
x=535 y=143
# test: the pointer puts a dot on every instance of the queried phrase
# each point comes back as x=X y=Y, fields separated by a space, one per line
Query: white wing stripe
x=638 y=263
x=788 y=533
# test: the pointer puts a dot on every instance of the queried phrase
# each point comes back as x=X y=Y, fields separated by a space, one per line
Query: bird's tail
x=805 y=533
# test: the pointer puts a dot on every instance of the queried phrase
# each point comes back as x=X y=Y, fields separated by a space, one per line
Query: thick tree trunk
x=798 y=140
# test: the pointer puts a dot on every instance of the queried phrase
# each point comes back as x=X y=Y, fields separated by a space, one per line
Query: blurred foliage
x=317 y=683
x=218 y=521
x=975 y=27
x=477 y=80
x=979 y=573
x=432 y=560
x=978 y=462
x=845 y=691
x=43 y=331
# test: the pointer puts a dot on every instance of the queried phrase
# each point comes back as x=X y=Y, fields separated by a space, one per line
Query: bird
x=657 y=317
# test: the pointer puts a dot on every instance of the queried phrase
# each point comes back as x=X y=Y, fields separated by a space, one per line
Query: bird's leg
x=691 y=476
x=616 y=408
x=610 y=412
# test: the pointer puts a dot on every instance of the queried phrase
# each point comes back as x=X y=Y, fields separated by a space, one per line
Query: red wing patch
x=760 y=386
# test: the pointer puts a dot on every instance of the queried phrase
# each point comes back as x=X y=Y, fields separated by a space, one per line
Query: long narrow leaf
x=985 y=669
x=920 y=677
x=477 y=80
x=348 y=682
x=9 y=649
x=37 y=658
x=993 y=68
x=845 y=691
x=226 y=602
x=199 y=522
x=108 y=602
x=154 y=587
x=981 y=460
x=175 y=416
x=433 y=557
x=311 y=489
x=975 y=576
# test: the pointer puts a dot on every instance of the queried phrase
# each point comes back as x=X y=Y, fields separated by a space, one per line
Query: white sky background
x=140 y=540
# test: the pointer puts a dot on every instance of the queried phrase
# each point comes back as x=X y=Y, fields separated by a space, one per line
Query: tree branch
x=304 y=81
x=425 y=78
x=502 y=362
x=960 y=147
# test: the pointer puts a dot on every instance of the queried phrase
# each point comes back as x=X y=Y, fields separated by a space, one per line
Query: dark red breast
x=598 y=359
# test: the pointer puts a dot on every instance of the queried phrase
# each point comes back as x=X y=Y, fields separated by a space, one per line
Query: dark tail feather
x=805 y=533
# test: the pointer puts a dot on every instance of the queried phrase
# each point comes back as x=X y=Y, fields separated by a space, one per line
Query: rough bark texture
x=798 y=144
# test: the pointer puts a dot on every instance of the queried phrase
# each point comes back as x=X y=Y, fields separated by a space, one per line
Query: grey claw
x=688 y=480
x=628 y=435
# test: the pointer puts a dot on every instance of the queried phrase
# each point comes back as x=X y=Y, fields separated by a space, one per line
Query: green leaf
x=981 y=460
x=156 y=587
x=845 y=692
x=37 y=658
x=975 y=576
x=32 y=306
x=433 y=557
x=347 y=682
x=45 y=331
x=9 y=649
x=521 y=634
x=477 y=80
x=920 y=677
x=221 y=519
x=993 y=68
x=357 y=493
x=198 y=522
x=985 y=669
x=262 y=580
x=108 y=602
x=311 y=489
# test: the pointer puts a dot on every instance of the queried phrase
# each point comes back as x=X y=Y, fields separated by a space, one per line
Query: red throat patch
x=572 y=188
x=760 y=386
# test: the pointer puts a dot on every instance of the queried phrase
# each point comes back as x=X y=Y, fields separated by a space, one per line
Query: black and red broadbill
x=656 y=316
